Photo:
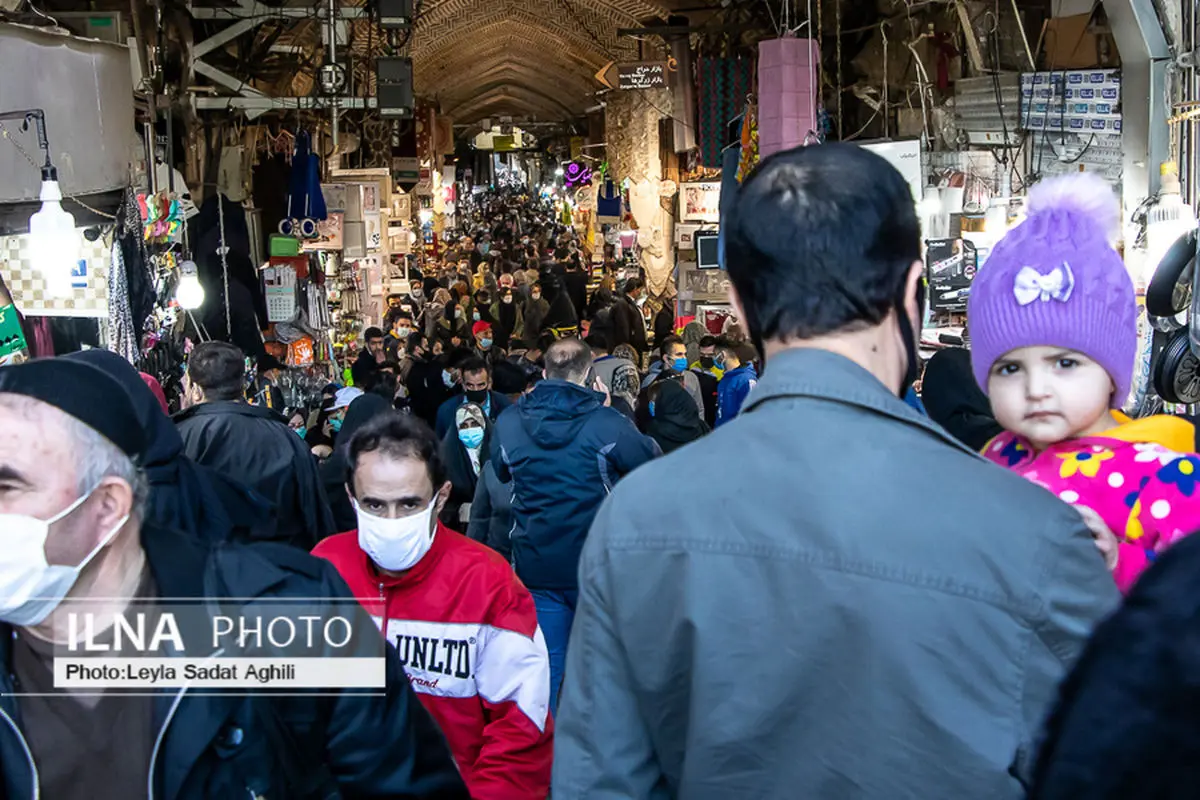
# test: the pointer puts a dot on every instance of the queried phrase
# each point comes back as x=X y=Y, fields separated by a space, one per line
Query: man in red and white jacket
x=463 y=625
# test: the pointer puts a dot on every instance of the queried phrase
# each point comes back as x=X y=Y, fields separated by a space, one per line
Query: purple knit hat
x=1055 y=280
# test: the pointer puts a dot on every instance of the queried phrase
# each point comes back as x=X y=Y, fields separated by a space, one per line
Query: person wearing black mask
x=976 y=605
x=426 y=384
x=953 y=399
x=476 y=377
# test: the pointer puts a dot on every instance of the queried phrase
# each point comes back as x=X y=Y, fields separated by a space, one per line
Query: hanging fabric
x=122 y=339
x=724 y=84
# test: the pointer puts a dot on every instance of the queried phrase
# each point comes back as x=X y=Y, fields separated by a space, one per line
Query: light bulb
x=559 y=172
x=189 y=293
x=53 y=239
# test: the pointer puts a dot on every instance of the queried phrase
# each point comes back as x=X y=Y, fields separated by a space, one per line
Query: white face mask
x=30 y=588
x=396 y=544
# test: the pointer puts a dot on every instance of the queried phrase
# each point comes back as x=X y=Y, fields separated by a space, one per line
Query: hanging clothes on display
x=608 y=204
x=133 y=297
x=306 y=203
x=223 y=221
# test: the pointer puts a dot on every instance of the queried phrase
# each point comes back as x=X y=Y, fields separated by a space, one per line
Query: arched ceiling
x=525 y=58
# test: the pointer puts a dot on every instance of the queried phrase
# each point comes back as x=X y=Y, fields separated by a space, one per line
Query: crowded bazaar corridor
x=599 y=399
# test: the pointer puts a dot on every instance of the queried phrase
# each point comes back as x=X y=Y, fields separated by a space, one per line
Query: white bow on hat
x=1031 y=285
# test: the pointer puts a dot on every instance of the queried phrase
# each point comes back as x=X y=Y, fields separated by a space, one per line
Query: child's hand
x=1106 y=541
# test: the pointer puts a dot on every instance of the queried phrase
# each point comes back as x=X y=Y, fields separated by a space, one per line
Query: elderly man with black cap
x=251 y=444
x=72 y=495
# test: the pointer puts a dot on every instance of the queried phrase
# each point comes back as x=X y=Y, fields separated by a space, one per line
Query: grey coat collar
x=823 y=375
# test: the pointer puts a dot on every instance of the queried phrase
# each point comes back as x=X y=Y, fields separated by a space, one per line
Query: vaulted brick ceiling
x=531 y=59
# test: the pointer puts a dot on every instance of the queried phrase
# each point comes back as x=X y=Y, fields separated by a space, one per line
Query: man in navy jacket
x=563 y=449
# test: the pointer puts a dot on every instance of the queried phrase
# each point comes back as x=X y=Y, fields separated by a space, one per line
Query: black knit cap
x=81 y=391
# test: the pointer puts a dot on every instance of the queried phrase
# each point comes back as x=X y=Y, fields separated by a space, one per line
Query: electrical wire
x=41 y=13
x=73 y=198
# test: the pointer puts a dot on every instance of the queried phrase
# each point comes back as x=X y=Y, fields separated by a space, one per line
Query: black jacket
x=348 y=745
x=575 y=283
x=629 y=326
x=461 y=474
x=954 y=400
x=254 y=446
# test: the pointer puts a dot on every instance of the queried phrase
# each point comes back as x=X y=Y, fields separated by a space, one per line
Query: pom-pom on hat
x=1056 y=281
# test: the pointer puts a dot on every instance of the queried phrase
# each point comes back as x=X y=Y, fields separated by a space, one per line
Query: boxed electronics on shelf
x=1086 y=100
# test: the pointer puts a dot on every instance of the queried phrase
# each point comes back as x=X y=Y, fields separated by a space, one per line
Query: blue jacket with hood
x=563 y=450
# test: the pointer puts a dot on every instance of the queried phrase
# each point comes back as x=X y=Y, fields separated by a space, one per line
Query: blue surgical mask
x=485 y=343
x=477 y=317
x=447 y=379
x=652 y=408
x=471 y=438
x=335 y=424
x=301 y=431
x=679 y=365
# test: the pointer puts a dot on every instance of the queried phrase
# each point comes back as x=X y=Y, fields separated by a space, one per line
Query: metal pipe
x=38 y=117
x=334 y=112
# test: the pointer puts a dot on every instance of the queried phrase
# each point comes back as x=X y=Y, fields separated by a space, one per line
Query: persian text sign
x=642 y=75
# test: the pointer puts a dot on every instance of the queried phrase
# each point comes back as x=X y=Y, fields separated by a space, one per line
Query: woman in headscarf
x=561 y=319
x=435 y=311
x=674 y=419
x=626 y=383
x=510 y=319
x=454 y=327
x=535 y=311
x=336 y=468
x=184 y=495
x=603 y=297
x=954 y=400
x=465 y=451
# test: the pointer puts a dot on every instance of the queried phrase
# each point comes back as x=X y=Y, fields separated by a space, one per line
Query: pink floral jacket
x=1136 y=477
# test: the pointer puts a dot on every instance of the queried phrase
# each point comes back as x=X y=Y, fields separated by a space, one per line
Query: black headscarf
x=336 y=469
x=676 y=419
x=954 y=400
x=184 y=495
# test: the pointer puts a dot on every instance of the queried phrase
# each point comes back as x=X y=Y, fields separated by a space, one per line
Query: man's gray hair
x=569 y=360
x=98 y=458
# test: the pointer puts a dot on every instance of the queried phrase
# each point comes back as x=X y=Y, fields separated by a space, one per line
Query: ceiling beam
x=486 y=89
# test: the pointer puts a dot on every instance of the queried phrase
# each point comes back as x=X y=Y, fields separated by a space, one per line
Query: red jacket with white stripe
x=466 y=631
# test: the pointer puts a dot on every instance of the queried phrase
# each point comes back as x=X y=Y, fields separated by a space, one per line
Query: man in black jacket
x=74 y=496
x=629 y=326
x=251 y=444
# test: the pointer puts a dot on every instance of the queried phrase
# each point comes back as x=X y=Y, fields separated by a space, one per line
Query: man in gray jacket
x=860 y=607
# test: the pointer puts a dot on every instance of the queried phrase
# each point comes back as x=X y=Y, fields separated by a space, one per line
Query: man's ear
x=115 y=502
x=442 y=496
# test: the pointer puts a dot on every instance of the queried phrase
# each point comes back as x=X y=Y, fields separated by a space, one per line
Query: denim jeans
x=555 y=613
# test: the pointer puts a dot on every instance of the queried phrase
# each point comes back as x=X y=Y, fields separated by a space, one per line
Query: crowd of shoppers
x=649 y=562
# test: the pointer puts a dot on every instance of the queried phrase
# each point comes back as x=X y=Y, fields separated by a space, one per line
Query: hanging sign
x=642 y=75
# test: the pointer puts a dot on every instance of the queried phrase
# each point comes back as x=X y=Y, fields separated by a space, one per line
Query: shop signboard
x=504 y=144
x=642 y=75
